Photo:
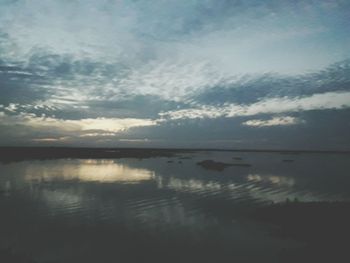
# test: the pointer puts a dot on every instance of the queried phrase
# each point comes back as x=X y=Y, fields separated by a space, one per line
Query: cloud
x=276 y=121
x=48 y=140
x=111 y=125
x=247 y=89
x=329 y=100
x=235 y=36
x=171 y=79
x=72 y=128
x=91 y=71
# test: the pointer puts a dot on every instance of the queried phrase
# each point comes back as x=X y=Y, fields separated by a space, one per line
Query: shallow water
x=158 y=209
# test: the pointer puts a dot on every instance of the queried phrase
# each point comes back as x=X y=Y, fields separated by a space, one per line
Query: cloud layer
x=215 y=73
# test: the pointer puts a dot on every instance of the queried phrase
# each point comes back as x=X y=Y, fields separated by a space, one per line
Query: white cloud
x=174 y=79
x=12 y=107
x=75 y=127
x=98 y=134
x=329 y=100
x=111 y=124
x=276 y=121
x=48 y=140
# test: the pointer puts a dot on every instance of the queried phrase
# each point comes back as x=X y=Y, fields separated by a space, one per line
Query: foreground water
x=158 y=209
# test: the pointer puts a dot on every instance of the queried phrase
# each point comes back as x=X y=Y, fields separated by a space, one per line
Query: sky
x=175 y=73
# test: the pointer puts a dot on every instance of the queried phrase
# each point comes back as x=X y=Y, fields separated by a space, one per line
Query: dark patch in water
x=213 y=165
x=219 y=166
x=242 y=164
x=185 y=158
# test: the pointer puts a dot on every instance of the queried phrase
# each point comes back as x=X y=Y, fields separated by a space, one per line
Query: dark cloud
x=20 y=85
x=320 y=129
x=250 y=89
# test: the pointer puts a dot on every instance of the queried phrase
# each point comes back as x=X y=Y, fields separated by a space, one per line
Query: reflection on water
x=131 y=210
x=88 y=170
x=273 y=179
x=188 y=185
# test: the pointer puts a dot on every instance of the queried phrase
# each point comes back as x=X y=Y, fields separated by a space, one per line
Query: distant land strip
x=9 y=153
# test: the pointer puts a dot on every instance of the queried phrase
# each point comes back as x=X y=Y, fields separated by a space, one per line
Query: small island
x=219 y=166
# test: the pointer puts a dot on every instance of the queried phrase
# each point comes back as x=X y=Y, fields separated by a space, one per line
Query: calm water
x=158 y=209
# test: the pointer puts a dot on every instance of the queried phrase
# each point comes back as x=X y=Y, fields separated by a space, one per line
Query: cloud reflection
x=272 y=179
x=104 y=171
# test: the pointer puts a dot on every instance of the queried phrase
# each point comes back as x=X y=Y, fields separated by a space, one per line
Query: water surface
x=158 y=209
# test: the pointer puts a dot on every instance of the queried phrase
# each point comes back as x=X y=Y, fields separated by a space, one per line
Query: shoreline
x=10 y=153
